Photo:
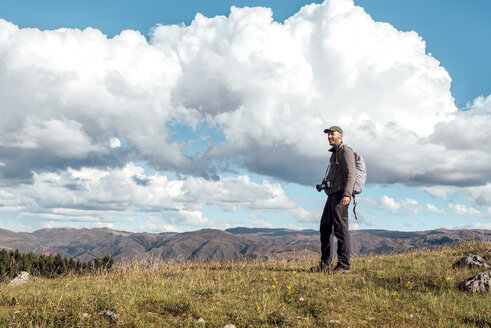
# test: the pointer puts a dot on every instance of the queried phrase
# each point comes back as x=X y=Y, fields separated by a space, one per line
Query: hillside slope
x=212 y=245
x=420 y=289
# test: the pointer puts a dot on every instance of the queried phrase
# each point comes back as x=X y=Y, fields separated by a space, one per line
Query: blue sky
x=189 y=121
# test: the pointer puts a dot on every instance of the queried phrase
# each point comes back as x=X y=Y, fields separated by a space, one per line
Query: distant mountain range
x=210 y=244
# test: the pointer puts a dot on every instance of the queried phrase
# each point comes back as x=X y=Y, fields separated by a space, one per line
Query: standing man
x=338 y=185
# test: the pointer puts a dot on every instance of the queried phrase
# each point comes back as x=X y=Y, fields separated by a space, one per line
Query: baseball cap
x=334 y=128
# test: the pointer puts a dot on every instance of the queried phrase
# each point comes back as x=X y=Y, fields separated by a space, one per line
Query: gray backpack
x=361 y=178
x=361 y=174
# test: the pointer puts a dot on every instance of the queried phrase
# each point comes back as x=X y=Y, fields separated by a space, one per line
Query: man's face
x=334 y=137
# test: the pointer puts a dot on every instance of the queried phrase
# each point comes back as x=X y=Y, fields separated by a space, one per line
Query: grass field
x=410 y=290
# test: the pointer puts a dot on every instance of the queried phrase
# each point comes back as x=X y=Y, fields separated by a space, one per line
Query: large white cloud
x=328 y=64
x=270 y=88
x=98 y=87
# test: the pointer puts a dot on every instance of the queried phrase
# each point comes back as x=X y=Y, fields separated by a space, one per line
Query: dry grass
x=411 y=290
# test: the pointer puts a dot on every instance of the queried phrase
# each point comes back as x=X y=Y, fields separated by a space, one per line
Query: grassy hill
x=411 y=290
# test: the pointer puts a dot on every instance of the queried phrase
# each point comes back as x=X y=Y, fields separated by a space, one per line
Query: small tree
x=107 y=262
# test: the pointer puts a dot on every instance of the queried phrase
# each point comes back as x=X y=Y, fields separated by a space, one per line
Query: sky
x=156 y=116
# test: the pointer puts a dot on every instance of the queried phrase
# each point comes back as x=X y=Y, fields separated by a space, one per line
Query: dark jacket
x=342 y=170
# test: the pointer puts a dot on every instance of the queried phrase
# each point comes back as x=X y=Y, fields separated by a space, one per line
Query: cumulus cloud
x=304 y=216
x=329 y=63
x=93 y=195
x=481 y=195
x=231 y=194
x=477 y=225
x=467 y=211
x=433 y=209
x=469 y=130
x=268 y=88
x=70 y=91
x=259 y=222
x=411 y=207
x=63 y=138
x=442 y=192
x=154 y=224
x=389 y=203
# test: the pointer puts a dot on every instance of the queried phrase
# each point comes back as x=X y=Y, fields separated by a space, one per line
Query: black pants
x=334 y=222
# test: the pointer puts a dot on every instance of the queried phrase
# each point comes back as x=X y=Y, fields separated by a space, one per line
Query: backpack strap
x=354 y=206
x=337 y=154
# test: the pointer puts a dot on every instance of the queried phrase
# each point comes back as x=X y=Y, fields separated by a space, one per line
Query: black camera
x=323 y=186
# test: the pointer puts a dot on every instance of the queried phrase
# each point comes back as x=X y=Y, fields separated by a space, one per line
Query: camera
x=324 y=185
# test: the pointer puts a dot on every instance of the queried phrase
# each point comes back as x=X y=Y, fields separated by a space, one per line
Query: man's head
x=334 y=134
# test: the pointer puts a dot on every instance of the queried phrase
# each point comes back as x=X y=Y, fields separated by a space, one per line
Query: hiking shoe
x=339 y=270
x=321 y=267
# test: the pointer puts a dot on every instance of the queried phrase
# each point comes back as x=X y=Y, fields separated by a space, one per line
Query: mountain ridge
x=217 y=245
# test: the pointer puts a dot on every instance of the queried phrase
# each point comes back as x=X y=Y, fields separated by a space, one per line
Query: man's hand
x=346 y=201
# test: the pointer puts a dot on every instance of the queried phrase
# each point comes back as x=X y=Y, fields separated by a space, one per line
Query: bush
x=49 y=266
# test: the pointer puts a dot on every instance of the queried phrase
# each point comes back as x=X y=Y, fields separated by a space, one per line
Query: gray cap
x=334 y=128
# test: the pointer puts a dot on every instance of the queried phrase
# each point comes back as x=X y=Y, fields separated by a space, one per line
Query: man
x=339 y=184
